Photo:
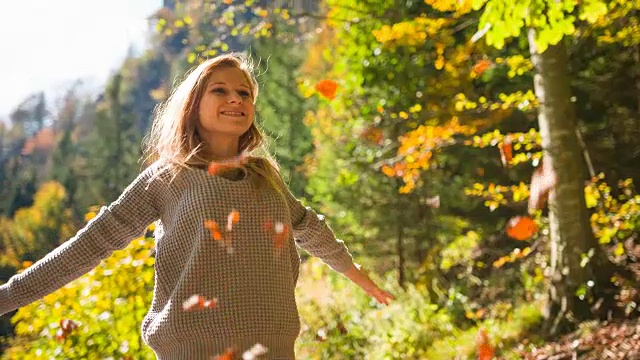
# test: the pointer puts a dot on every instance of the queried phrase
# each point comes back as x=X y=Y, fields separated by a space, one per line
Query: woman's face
x=226 y=108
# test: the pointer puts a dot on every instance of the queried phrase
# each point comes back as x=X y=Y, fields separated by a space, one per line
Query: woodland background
x=418 y=128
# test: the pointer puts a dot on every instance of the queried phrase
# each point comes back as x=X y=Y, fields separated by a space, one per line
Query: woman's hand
x=358 y=276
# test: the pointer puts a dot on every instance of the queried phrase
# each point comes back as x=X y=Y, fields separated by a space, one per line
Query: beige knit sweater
x=226 y=262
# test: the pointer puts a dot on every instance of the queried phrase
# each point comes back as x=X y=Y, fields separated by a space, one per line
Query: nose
x=235 y=98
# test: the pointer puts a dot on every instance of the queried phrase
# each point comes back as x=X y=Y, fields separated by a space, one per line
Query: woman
x=226 y=262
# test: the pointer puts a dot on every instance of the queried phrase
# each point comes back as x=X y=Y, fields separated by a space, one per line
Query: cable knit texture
x=251 y=270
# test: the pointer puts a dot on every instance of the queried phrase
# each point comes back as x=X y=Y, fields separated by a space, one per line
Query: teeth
x=232 y=113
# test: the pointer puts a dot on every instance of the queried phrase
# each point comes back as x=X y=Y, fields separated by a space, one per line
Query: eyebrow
x=224 y=83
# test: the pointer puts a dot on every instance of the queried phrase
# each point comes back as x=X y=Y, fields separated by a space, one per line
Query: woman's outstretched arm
x=112 y=229
x=313 y=234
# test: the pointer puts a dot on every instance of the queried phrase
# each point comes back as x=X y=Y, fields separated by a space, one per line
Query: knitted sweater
x=226 y=262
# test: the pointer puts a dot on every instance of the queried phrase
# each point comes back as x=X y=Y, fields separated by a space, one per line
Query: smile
x=232 y=113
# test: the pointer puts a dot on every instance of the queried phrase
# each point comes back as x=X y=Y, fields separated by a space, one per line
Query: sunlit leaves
x=496 y=195
x=514 y=256
x=409 y=33
x=615 y=218
x=105 y=309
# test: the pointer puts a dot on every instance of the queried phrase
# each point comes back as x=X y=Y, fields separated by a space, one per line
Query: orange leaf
x=230 y=354
x=388 y=170
x=233 y=218
x=327 y=88
x=481 y=66
x=282 y=234
x=214 y=228
x=506 y=151
x=485 y=351
x=521 y=228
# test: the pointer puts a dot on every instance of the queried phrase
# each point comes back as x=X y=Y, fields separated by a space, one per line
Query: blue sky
x=46 y=44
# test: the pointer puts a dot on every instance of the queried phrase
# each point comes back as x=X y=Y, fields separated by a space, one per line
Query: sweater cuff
x=6 y=302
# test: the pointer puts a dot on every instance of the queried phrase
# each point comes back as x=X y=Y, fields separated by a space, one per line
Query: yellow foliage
x=410 y=33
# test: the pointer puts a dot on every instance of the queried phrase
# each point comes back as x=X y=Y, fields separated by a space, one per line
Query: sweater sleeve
x=112 y=229
x=314 y=235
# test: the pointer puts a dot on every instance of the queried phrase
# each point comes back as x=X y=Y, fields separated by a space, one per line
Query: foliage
x=106 y=306
x=350 y=325
x=35 y=230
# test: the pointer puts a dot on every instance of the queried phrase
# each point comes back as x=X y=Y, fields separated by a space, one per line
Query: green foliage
x=106 y=304
x=35 y=230
x=341 y=322
x=551 y=19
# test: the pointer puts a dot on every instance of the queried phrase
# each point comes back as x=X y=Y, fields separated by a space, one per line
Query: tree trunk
x=400 y=250
x=571 y=237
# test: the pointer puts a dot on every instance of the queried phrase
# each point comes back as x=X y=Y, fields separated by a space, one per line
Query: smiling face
x=226 y=109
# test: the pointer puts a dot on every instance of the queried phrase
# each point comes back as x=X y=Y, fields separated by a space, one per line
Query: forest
x=479 y=158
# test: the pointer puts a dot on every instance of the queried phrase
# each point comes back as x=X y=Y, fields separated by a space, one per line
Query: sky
x=47 y=44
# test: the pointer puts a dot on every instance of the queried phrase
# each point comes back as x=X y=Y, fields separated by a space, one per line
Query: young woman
x=226 y=262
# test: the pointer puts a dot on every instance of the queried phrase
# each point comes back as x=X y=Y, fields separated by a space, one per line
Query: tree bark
x=571 y=236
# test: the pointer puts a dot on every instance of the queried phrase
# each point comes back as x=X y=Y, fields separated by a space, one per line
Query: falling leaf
x=233 y=218
x=521 y=228
x=198 y=302
x=229 y=354
x=543 y=181
x=281 y=234
x=327 y=88
x=268 y=225
x=485 y=351
x=221 y=166
x=481 y=66
x=506 y=151
x=216 y=234
x=66 y=327
x=373 y=135
x=254 y=352
x=433 y=202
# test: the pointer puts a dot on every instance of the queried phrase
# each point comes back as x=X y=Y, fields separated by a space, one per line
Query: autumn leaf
x=373 y=134
x=233 y=218
x=327 y=88
x=433 y=202
x=281 y=234
x=521 y=228
x=66 y=327
x=219 y=167
x=198 y=302
x=481 y=66
x=213 y=227
x=506 y=151
x=485 y=351
x=256 y=351
x=229 y=354
x=543 y=181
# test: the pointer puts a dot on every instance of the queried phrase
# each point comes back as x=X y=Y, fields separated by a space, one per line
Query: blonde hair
x=174 y=141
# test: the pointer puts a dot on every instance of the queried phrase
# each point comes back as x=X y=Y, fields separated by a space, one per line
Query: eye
x=219 y=91
x=245 y=94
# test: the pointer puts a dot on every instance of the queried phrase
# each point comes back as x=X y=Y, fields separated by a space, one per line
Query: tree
x=113 y=146
x=580 y=269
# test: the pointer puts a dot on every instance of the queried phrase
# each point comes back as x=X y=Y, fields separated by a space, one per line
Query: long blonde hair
x=174 y=141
